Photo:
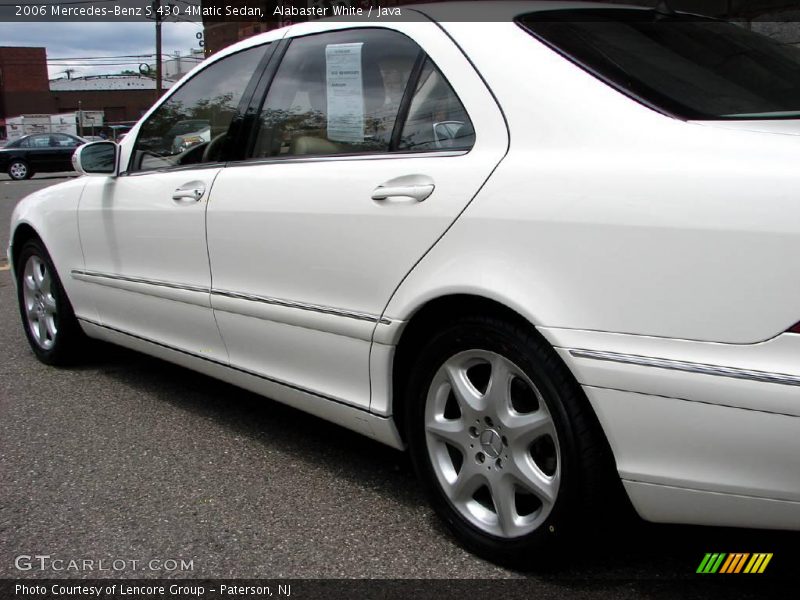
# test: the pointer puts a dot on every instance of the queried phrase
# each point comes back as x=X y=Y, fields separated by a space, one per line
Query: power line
x=94 y=63
x=101 y=57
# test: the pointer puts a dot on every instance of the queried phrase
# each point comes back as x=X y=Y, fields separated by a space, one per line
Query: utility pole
x=157 y=12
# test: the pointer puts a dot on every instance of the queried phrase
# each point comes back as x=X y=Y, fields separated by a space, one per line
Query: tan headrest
x=306 y=144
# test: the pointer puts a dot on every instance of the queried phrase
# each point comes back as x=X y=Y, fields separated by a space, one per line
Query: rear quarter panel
x=608 y=216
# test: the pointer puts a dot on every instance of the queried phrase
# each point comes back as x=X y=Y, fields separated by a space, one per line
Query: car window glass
x=436 y=118
x=36 y=141
x=190 y=126
x=336 y=93
x=63 y=141
x=693 y=67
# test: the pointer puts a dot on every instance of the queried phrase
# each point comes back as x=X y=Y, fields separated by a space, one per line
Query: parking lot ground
x=127 y=457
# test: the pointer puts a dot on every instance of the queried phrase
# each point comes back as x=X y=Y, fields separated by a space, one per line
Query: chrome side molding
x=89 y=275
x=84 y=275
x=327 y=310
x=688 y=367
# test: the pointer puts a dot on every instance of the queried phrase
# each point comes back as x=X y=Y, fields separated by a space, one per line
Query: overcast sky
x=73 y=40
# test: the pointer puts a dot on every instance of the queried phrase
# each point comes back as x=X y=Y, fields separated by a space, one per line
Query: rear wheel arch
x=432 y=316
x=467 y=324
x=436 y=314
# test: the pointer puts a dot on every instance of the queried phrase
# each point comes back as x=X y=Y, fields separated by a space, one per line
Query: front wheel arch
x=43 y=302
x=22 y=234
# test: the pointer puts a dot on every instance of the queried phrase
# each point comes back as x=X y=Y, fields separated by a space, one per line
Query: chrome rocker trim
x=223 y=364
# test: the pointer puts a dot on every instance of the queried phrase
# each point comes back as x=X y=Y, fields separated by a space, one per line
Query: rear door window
x=336 y=93
x=359 y=91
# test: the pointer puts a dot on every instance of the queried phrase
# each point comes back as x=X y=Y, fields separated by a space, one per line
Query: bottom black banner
x=395 y=589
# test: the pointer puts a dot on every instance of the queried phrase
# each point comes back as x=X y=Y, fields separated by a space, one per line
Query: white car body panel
x=659 y=257
x=679 y=255
x=700 y=447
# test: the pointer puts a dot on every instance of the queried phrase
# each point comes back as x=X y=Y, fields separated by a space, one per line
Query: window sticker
x=345 y=91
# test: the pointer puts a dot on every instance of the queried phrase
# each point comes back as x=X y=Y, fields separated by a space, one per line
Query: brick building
x=121 y=98
x=24 y=87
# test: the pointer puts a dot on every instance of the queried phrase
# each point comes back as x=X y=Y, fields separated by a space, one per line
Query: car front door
x=369 y=145
x=143 y=232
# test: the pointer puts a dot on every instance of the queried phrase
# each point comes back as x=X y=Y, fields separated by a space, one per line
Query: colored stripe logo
x=737 y=562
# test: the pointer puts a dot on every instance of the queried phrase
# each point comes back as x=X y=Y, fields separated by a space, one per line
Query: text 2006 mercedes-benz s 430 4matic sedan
x=554 y=256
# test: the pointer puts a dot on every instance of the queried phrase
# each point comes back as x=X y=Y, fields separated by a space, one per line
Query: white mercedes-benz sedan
x=556 y=256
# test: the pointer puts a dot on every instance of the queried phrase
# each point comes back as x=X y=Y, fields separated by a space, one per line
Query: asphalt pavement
x=129 y=458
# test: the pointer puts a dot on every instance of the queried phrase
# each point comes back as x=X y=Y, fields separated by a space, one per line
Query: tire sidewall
x=472 y=334
x=63 y=317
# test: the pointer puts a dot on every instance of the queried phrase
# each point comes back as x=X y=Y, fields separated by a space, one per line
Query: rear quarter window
x=689 y=66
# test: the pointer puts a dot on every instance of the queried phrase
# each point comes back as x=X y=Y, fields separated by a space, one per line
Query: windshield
x=692 y=67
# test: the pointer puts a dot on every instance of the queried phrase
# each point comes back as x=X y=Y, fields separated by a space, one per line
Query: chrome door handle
x=190 y=192
x=417 y=192
x=418 y=187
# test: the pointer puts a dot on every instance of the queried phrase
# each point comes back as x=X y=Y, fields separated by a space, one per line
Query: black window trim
x=374 y=155
x=408 y=96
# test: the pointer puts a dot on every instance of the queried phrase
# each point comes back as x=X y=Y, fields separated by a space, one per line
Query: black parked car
x=38 y=153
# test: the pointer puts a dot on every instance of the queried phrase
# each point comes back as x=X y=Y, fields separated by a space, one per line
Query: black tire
x=68 y=342
x=18 y=170
x=587 y=474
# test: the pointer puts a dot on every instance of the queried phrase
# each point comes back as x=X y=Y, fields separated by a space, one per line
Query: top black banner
x=285 y=12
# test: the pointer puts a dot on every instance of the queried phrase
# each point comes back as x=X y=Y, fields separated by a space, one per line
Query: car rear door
x=346 y=186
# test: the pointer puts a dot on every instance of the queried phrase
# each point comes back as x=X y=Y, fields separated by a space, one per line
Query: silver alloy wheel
x=18 y=170
x=492 y=443
x=40 y=303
